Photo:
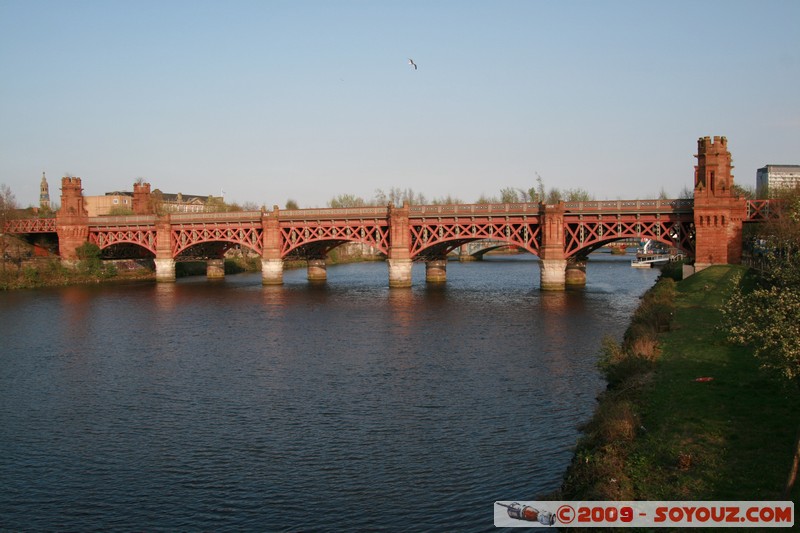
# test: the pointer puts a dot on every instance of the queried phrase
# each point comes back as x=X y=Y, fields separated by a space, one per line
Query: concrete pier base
x=165 y=270
x=317 y=270
x=575 y=274
x=436 y=271
x=399 y=272
x=552 y=274
x=272 y=271
x=215 y=269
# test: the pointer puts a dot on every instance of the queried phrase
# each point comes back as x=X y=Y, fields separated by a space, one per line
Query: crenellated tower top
x=72 y=197
x=712 y=174
x=141 y=199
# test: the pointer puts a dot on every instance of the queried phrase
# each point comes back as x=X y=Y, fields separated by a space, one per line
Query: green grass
x=726 y=439
x=730 y=438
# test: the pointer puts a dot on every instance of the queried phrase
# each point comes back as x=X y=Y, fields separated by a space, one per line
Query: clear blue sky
x=270 y=100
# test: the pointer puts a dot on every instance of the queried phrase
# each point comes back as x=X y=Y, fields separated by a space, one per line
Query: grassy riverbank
x=659 y=433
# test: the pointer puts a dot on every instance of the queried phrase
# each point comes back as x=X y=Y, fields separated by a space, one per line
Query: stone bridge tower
x=718 y=212
x=142 y=203
x=72 y=220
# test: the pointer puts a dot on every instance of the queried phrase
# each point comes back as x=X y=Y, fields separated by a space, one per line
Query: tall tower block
x=718 y=213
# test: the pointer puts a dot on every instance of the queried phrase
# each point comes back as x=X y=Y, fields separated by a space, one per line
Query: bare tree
x=8 y=204
x=347 y=200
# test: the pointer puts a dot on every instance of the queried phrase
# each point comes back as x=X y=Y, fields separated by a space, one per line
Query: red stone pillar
x=271 y=260
x=165 y=262
x=72 y=220
x=399 y=247
x=553 y=261
x=718 y=213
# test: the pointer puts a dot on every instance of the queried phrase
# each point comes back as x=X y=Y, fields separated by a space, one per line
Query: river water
x=228 y=406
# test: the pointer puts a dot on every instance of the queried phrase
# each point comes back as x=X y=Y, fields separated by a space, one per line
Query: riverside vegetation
x=687 y=415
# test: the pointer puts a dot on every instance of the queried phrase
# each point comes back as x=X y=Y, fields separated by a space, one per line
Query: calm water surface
x=231 y=406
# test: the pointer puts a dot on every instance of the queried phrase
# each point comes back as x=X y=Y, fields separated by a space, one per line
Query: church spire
x=44 y=194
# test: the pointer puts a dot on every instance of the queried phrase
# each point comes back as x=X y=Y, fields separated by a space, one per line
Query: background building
x=121 y=203
x=772 y=178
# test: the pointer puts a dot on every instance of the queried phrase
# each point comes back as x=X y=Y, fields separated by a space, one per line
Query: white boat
x=650 y=260
x=648 y=257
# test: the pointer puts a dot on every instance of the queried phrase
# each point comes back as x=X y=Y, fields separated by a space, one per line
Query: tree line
x=398 y=196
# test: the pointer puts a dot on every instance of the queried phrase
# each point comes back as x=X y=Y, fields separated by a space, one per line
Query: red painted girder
x=296 y=234
x=429 y=232
x=30 y=225
x=145 y=238
x=247 y=234
x=587 y=233
x=761 y=210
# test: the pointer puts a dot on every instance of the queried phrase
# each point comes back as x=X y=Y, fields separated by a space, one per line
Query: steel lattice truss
x=30 y=225
x=106 y=237
x=435 y=238
x=762 y=210
x=313 y=239
x=246 y=234
x=584 y=234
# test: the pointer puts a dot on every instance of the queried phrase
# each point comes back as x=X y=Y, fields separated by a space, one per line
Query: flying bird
x=411 y=62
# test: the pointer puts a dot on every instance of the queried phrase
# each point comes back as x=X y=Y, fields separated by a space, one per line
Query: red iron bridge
x=707 y=228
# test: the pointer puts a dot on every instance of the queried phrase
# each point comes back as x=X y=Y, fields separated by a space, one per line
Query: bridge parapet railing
x=631 y=205
x=30 y=225
x=123 y=220
x=473 y=209
x=236 y=216
x=336 y=213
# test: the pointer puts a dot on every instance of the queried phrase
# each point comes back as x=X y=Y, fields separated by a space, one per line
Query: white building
x=772 y=178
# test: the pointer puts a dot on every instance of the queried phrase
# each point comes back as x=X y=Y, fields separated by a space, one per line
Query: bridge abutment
x=165 y=269
x=436 y=271
x=272 y=271
x=165 y=262
x=399 y=259
x=553 y=263
x=552 y=274
x=399 y=272
x=215 y=269
x=271 y=260
x=317 y=270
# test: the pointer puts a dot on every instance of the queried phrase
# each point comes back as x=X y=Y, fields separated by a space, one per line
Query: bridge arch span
x=114 y=238
x=220 y=238
x=585 y=236
x=314 y=242
x=434 y=239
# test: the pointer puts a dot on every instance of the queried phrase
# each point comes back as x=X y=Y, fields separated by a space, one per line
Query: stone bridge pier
x=552 y=259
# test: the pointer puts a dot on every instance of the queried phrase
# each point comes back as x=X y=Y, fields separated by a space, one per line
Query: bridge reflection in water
x=228 y=405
